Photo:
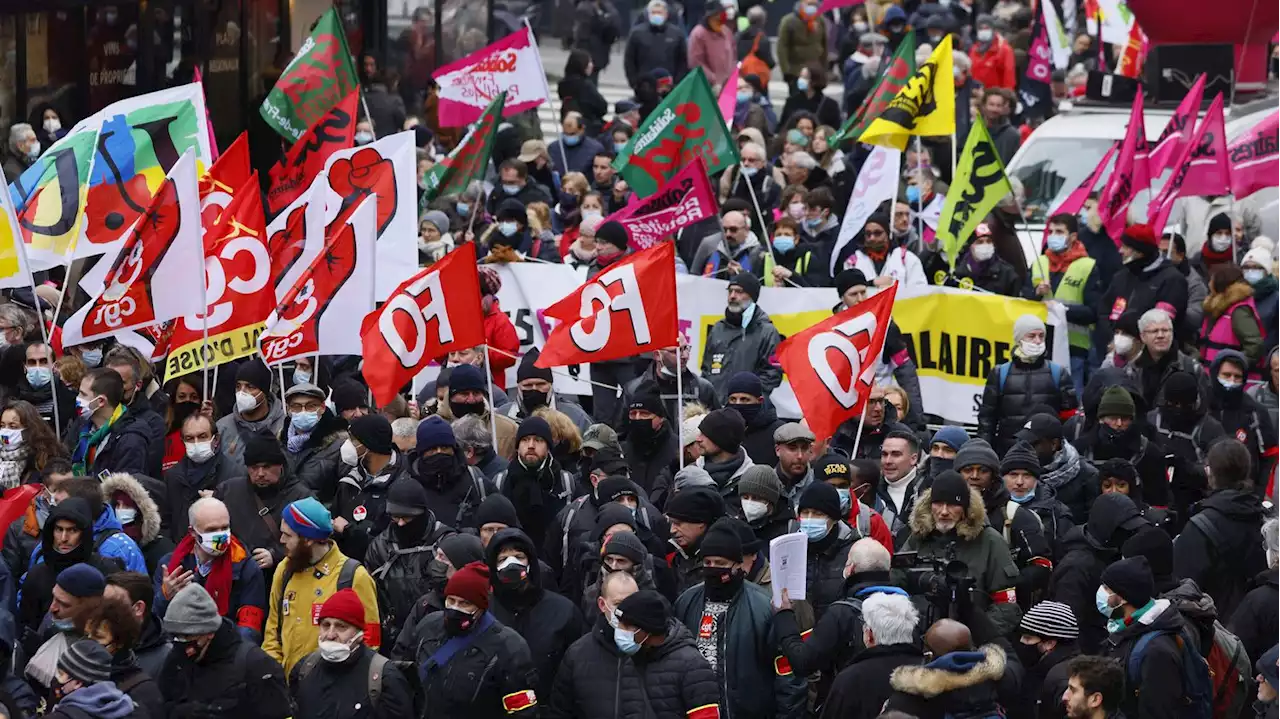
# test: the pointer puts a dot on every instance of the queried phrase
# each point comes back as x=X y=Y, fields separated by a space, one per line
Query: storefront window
x=8 y=70
x=112 y=53
x=222 y=78
x=265 y=30
x=56 y=59
x=411 y=30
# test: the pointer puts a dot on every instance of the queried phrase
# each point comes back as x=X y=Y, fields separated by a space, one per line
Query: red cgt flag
x=307 y=157
x=831 y=365
x=420 y=321
x=627 y=309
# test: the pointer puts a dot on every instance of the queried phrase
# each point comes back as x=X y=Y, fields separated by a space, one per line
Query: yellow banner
x=959 y=337
x=222 y=347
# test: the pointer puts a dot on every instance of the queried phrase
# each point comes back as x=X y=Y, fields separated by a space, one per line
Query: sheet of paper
x=787 y=566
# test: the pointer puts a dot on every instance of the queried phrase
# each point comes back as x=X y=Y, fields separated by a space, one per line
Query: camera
x=944 y=582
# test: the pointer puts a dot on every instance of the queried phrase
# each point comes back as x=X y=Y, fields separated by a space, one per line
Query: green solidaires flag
x=316 y=79
x=468 y=160
x=979 y=184
x=687 y=125
x=901 y=66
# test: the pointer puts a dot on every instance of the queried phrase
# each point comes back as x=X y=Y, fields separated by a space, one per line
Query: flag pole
x=280 y=368
x=920 y=212
x=857 y=439
x=204 y=342
x=493 y=420
x=679 y=418
x=542 y=72
x=764 y=227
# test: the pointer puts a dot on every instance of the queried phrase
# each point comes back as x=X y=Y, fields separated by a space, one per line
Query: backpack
x=477 y=486
x=1197 y=683
x=1055 y=371
x=346 y=577
x=1229 y=668
x=373 y=687
x=752 y=64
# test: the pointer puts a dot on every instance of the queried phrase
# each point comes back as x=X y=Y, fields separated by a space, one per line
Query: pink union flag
x=1075 y=201
x=729 y=96
x=1129 y=177
x=470 y=84
x=1255 y=158
x=1201 y=170
x=1178 y=132
x=682 y=201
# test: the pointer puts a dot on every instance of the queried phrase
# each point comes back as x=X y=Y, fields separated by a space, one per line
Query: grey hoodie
x=233 y=428
x=101 y=701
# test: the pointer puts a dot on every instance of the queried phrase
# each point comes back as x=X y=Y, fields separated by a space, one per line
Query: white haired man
x=888 y=631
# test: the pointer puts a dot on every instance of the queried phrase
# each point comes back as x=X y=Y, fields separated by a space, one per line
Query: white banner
x=877 y=182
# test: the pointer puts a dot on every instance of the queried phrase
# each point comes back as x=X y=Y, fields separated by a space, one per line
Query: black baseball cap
x=1040 y=426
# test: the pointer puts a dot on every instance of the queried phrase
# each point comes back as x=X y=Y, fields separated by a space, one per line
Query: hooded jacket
x=957 y=684
x=1243 y=418
x=731 y=349
x=108 y=534
x=1161 y=667
x=1223 y=565
x=234 y=429
x=754 y=683
x=100 y=701
x=548 y=622
x=318 y=465
x=245 y=503
x=235 y=678
x=981 y=548
x=669 y=681
x=402 y=574
x=150 y=541
x=186 y=479
x=37 y=589
x=1077 y=576
x=362 y=499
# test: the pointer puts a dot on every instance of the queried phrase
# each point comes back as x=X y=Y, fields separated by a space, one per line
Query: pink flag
x=1130 y=175
x=1255 y=158
x=686 y=198
x=1177 y=133
x=1202 y=169
x=828 y=5
x=468 y=85
x=1075 y=201
x=208 y=121
x=729 y=96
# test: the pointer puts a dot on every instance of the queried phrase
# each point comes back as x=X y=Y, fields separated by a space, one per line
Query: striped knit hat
x=308 y=519
x=86 y=661
x=1051 y=620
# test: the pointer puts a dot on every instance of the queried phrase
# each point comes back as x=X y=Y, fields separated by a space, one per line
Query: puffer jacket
x=23 y=535
x=1222 y=565
x=824 y=566
x=955 y=684
x=668 y=681
x=146 y=534
x=981 y=548
x=1161 y=663
x=402 y=574
x=318 y=464
x=759 y=438
x=474 y=683
x=1026 y=384
x=753 y=683
x=362 y=501
x=731 y=349
x=185 y=480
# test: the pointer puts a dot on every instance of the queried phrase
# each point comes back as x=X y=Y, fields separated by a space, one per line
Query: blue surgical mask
x=744 y=97
x=657 y=20
x=846 y=498
x=91 y=358
x=802 y=84
x=463 y=209
x=1229 y=385
x=1253 y=277
x=1101 y=599
x=363 y=138
x=305 y=421
x=301 y=376
x=913 y=193
x=511 y=189
x=750 y=171
x=1084 y=217
x=39 y=376
x=618 y=147
x=815 y=528
x=1024 y=499
x=1058 y=243
x=625 y=641
x=508 y=228
x=784 y=243
x=813 y=223
x=572 y=140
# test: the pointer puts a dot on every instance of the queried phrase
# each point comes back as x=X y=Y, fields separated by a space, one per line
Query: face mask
x=91 y=358
x=462 y=409
x=84 y=407
x=938 y=465
x=1253 y=277
x=245 y=402
x=215 y=543
x=809 y=10
x=39 y=376
x=63 y=625
x=10 y=437
x=1220 y=242
x=457 y=622
x=1031 y=350
x=802 y=84
x=784 y=243
x=1058 y=243
x=364 y=138
x=641 y=430
x=846 y=498
x=1028 y=654
x=721 y=583
x=463 y=209
x=744 y=96
x=815 y=528
x=625 y=641
x=301 y=376
x=913 y=194
x=985 y=34
x=983 y=252
x=796 y=210
x=348 y=453
x=1102 y=600
x=335 y=652
x=305 y=421
x=435 y=468
x=750 y=172
x=572 y=140
x=512 y=571
x=52 y=125
x=1022 y=500
x=657 y=20
x=813 y=223
x=533 y=399
x=508 y=229
x=1229 y=385
x=511 y=189
x=591 y=215
x=33 y=152
x=748 y=411
x=1123 y=344
x=618 y=147
x=754 y=509
x=860 y=28
x=126 y=515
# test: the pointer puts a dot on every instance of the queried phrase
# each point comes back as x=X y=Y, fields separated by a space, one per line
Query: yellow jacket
x=294 y=609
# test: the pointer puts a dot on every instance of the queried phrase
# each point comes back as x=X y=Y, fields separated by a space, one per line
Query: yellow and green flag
x=979 y=184
x=925 y=106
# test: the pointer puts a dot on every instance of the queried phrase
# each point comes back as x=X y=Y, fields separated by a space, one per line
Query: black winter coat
x=402 y=574
x=694 y=388
x=651 y=463
x=1044 y=683
x=341 y=690
x=649 y=48
x=824 y=565
x=578 y=94
x=151 y=415
x=759 y=438
x=141 y=687
x=245 y=502
x=997 y=277
x=861 y=688
x=125 y=449
x=955 y=684
x=454 y=500
x=366 y=496
x=474 y=682
x=753 y=685
x=1134 y=290
x=318 y=465
x=1161 y=664
x=234 y=679
x=1075 y=581
x=1223 y=565
x=185 y=480
x=596 y=680
x=1026 y=384
x=1255 y=620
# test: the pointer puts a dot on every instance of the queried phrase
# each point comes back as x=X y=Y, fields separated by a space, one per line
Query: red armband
x=251 y=617
x=519 y=701
x=1004 y=596
x=706 y=711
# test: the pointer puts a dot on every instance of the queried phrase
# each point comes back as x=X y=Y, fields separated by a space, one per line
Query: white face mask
x=1221 y=242
x=985 y=34
x=10 y=438
x=348 y=453
x=215 y=543
x=753 y=509
x=1123 y=344
x=245 y=402
x=1031 y=350
x=200 y=452
x=126 y=515
x=337 y=652
x=983 y=252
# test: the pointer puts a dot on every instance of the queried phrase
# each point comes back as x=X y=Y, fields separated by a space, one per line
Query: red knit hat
x=1141 y=237
x=344 y=606
x=470 y=583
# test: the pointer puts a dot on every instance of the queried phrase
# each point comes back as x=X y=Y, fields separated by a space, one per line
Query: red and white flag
x=218 y=186
x=1129 y=177
x=296 y=237
x=470 y=84
x=1177 y=134
x=323 y=310
x=307 y=158
x=831 y=365
x=151 y=276
x=1255 y=158
x=433 y=313
x=682 y=201
x=627 y=309
x=1202 y=168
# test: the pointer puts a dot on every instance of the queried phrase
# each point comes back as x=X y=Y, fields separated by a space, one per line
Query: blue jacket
x=117 y=546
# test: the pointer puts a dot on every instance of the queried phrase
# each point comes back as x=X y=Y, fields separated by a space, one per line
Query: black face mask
x=457 y=622
x=462 y=409
x=748 y=411
x=437 y=576
x=1046 y=459
x=1028 y=654
x=533 y=399
x=1180 y=415
x=411 y=533
x=434 y=470
x=938 y=465
x=1114 y=437
x=721 y=583
x=641 y=430
x=514 y=576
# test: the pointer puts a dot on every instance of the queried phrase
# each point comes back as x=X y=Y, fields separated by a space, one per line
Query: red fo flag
x=627 y=309
x=831 y=365
x=308 y=156
x=420 y=320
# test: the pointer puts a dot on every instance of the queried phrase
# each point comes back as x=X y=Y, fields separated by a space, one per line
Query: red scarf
x=1060 y=262
x=218 y=583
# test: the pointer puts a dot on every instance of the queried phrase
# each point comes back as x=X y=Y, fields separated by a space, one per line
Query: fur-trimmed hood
x=968 y=528
x=147 y=508
x=1218 y=302
x=950 y=672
